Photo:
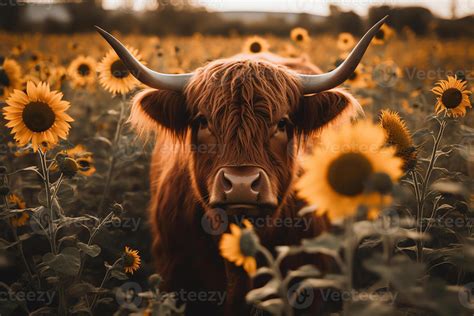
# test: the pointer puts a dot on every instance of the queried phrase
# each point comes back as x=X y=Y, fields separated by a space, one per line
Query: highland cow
x=228 y=138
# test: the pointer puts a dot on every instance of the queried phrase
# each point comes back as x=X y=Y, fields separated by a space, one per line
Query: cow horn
x=323 y=82
x=142 y=73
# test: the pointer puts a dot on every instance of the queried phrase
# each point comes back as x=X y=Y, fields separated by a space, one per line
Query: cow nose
x=242 y=185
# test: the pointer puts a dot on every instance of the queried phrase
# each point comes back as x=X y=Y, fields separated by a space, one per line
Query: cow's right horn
x=144 y=74
x=323 y=82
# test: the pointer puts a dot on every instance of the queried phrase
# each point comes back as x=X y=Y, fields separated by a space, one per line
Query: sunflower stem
x=105 y=279
x=113 y=159
x=348 y=258
x=91 y=239
x=275 y=266
x=422 y=195
x=47 y=188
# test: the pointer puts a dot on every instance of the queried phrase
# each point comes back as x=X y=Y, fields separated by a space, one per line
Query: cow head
x=244 y=121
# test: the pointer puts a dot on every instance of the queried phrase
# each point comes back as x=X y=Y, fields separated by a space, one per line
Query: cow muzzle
x=242 y=187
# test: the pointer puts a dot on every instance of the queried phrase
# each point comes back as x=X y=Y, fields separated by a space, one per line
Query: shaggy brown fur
x=241 y=100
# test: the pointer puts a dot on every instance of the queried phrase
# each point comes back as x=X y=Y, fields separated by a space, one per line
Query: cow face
x=242 y=123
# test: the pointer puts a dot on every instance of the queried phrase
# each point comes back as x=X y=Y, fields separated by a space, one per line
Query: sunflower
x=240 y=246
x=83 y=160
x=345 y=41
x=82 y=71
x=340 y=171
x=16 y=202
x=399 y=135
x=10 y=76
x=452 y=97
x=18 y=49
x=383 y=35
x=255 y=45
x=131 y=260
x=39 y=115
x=299 y=35
x=360 y=78
x=114 y=76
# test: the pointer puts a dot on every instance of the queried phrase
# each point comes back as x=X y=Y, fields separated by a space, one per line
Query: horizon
x=441 y=8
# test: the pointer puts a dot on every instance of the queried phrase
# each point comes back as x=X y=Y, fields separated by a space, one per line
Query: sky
x=320 y=7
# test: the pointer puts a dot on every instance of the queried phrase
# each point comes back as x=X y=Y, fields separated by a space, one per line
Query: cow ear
x=160 y=109
x=321 y=109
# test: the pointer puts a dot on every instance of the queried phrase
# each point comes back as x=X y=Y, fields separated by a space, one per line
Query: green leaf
x=5 y=244
x=83 y=288
x=263 y=271
x=258 y=295
x=306 y=271
x=274 y=306
x=91 y=250
x=368 y=308
x=120 y=275
x=45 y=310
x=325 y=243
x=66 y=263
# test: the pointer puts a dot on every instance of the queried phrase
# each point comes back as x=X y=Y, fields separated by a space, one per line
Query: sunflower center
x=84 y=165
x=119 y=70
x=451 y=98
x=299 y=37
x=128 y=260
x=38 y=116
x=4 y=80
x=83 y=70
x=247 y=244
x=353 y=76
x=348 y=174
x=255 y=47
x=380 y=34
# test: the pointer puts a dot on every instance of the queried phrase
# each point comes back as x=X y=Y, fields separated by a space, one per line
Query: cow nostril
x=256 y=183
x=226 y=183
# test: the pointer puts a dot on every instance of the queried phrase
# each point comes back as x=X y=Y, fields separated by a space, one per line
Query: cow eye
x=202 y=121
x=282 y=125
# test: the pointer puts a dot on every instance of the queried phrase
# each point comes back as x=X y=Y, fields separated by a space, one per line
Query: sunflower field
x=74 y=188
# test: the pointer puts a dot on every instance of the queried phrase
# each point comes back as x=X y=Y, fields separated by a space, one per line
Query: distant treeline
x=187 y=20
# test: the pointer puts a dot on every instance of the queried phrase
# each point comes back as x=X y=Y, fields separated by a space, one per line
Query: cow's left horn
x=142 y=73
x=323 y=82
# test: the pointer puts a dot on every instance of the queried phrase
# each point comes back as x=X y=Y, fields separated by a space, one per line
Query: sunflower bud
x=380 y=182
x=68 y=167
x=154 y=280
x=117 y=209
x=398 y=135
